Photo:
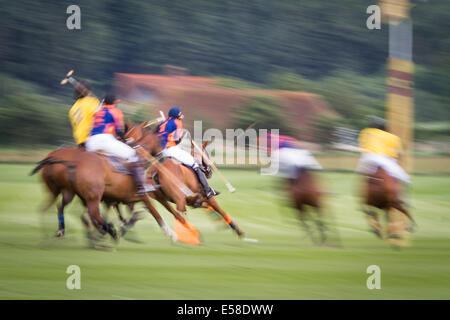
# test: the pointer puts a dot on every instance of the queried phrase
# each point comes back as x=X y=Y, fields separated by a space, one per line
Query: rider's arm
x=364 y=139
x=178 y=131
x=174 y=129
x=119 y=124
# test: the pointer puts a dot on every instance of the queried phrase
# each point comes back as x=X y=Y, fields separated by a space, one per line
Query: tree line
x=319 y=46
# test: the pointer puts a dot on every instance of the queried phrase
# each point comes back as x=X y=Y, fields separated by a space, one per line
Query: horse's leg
x=373 y=221
x=320 y=224
x=93 y=206
x=303 y=216
x=399 y=206
x=67 y=197
x=134 y=218
x=167 y=230
x=88 y=224
x=213 y=203
x=119 y=213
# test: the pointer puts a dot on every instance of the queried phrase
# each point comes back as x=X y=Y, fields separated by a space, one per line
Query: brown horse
x=382 y=191
x=94 y=180
x=305 y=193
x=179 y=184
x=57 y=174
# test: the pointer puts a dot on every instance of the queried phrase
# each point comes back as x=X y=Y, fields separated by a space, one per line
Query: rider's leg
x=108 y=143
x=139 y=178
x=395 y=170
x=185 y=158
x=210 y=192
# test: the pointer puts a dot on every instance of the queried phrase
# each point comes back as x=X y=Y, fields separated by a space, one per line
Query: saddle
x=117 y=164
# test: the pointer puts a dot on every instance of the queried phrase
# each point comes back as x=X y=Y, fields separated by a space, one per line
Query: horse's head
x=139 y=135
x=201 y=159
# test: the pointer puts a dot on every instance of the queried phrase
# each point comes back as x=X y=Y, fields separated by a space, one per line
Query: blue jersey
x=169 y=132
x=107 y=120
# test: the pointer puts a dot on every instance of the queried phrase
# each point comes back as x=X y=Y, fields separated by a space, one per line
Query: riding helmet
x=377 y=122
x=175 y=112
x=109 y=99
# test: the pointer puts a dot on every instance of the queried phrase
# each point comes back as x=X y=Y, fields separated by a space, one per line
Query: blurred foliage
x=29 y=118
x=352 y=96
x=286 y=80
x=239 y=84
x=138 y=113
x=317 y=46
x=439 y=131
x=324 y=127
x=265 y=111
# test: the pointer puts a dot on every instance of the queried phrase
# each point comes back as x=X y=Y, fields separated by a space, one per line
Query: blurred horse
x=57 y=174
x=305 y=192
x=382 y=191
x=179 y=184
x=93 y=179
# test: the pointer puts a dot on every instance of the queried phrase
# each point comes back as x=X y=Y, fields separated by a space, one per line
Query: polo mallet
x=66 y=79
x=225 y=181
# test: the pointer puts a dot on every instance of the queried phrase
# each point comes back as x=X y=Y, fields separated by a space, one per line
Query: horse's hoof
x=133 y=238
x=123 y=230
x=112 y=232
x=103 y=248
x=377 y=233
x=60 y=233
x=173 y=237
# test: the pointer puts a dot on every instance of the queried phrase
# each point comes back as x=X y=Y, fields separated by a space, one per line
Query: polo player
x=82 y=112
x=108 y=123
x=380 y=149
x=170 y=134
x=290 y=156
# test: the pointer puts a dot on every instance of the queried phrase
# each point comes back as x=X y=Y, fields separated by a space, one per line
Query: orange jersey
x=108 y=120
x=170 y=132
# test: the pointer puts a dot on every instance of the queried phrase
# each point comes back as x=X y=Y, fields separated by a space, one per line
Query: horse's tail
x=50 y=161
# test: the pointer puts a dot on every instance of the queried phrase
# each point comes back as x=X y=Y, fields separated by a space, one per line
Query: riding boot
x=138 y=175
x=210 y=192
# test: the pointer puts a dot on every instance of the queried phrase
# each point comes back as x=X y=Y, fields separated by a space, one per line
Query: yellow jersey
x=82 y=117
x=380 y=141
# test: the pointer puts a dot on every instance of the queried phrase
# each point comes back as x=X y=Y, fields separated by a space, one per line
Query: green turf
x=283 y=265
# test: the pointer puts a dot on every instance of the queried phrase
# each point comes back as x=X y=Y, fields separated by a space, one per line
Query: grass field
x=283 y=265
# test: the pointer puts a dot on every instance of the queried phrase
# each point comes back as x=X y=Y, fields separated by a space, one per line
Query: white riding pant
x=109 y=144
x=180 y=155
x=369 y=162
x=288 y=160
